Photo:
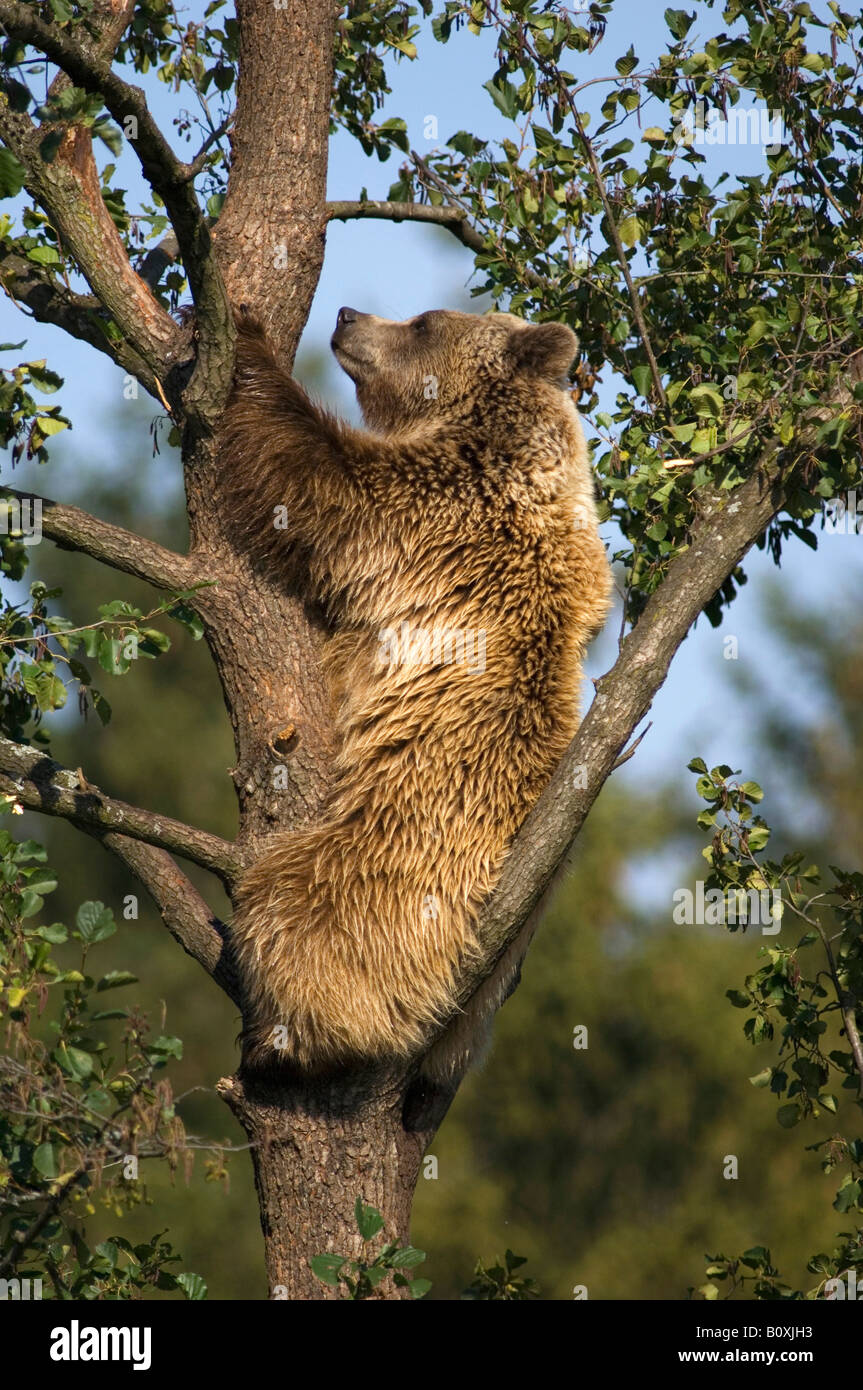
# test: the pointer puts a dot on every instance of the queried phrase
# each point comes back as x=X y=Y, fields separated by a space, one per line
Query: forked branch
x=82 y=316
x=185 y=913
x=36 y=782
x=171 y=178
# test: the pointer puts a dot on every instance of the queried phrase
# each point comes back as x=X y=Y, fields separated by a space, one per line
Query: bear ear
x=545 y=349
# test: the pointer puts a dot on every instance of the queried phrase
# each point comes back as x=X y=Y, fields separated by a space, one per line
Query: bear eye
x=421 y=324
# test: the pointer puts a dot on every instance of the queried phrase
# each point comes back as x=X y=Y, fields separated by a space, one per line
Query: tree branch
x=73 y=529
x=720 y=539
x=37 y=782
x=454 y=219
x=168 y=176
x=69 y=188
x=79 y=315
x=185 y=913
x=472 y=237
x=199 y=163
x=158 y=259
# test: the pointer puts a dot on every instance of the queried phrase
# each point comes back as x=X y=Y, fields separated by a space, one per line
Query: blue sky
x=398 y=270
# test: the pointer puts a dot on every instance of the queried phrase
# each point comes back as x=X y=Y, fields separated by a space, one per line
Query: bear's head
x=429 y=366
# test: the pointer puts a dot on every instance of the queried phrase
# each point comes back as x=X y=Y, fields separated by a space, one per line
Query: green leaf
x=758 y=836
x=848 y=1196
x=75 y=1062
x=152 y=641
x=56 y=933
x=51 y=424
x=407 y=1258
x=629 y=230
x=403 y=46
x=707 y=400
x=29 y=849
x=109 y=654
x=44 y=1161
x=420 y=1287
x=44 y=381
x=30 y=904
x=756 y=1256
x=683 y=433
x=94 y=922
x=738 y=998
x=107 y=1251
x=504 y=96
x=101 y=706
x=49 y=145
x=114 y=979
x=12 y=174
x=47 y=690
x=756 y=333
x=762 y=1078
x=369 y=1220
x=679 y=22
x=642 y=378
x=109 y=134
x=193 y=1287
x=326 y=1268
x=188 y=618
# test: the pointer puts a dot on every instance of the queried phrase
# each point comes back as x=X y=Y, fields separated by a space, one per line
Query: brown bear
x=453 y=546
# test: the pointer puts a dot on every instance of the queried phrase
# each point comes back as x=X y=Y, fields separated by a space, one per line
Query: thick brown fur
x=467 y=508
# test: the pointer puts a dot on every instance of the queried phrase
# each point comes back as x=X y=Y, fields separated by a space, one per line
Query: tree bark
x=317 y=1147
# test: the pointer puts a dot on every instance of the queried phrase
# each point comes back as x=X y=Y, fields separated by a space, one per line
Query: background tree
x=535 y=212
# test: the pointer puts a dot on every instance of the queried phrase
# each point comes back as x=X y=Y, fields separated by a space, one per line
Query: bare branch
x=454 y=219
x=80 y=315
x=632 y=749
x=37 y=782
x=182 y=909
x=123 y=550
x=196 y=165
x=158 y=259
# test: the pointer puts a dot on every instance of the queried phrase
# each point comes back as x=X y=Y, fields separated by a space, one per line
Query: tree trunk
x=317 y=1147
